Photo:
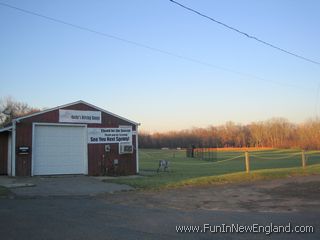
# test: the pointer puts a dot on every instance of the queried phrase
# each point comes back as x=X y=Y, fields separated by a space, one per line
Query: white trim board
x=9 y=155
x=6 y=129
x=77 y=102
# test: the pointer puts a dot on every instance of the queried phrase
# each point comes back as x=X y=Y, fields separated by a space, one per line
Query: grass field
x=264 y=164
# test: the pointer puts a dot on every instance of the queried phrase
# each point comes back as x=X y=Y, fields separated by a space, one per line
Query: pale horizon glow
x=46 y=64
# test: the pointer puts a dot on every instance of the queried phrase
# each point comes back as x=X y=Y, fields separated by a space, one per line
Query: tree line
x=275 y=132
x=10 y=109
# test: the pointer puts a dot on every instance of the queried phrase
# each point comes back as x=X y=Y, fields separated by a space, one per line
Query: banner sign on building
x=76 y=116
x=109 y=135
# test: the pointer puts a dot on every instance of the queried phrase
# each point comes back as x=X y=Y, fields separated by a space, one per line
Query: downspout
x=137 y=150
x=13 y=149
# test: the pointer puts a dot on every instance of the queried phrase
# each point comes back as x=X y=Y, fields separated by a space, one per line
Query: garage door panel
x=59 y=150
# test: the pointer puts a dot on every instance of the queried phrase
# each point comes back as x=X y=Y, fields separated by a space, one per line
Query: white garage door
x=59 y=150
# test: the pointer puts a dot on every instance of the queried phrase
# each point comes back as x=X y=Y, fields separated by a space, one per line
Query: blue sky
x=47 y=64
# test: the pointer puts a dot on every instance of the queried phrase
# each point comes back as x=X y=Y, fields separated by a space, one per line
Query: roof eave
x=6 y=129
x=73 y=103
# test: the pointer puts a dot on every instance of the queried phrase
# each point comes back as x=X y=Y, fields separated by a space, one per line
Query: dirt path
x=291 y=194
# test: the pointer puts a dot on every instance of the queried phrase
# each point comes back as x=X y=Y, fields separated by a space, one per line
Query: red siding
x=97 y=157
x=101 y=160
x=23 y=138
x=3 y=153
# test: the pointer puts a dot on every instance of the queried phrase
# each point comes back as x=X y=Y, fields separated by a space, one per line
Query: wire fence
x=211 y=162
x=256 y=160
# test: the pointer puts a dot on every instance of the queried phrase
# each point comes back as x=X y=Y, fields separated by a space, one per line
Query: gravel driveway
x=155 y=214
x=279 y=195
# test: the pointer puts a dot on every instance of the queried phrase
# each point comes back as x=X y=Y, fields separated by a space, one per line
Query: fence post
x=247 y=161
x=303 y=159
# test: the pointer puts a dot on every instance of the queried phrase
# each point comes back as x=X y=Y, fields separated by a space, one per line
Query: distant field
x=183 y=168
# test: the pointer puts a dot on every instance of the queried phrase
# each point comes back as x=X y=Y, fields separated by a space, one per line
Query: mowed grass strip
x=190 y=171
x=257 y=175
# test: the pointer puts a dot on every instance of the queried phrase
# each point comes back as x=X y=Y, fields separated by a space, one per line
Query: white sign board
x=76 y=116
x=109 y=135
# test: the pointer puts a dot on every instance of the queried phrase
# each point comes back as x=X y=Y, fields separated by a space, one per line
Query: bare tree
x=309 y=134
x=275 y=132
x=10 y=109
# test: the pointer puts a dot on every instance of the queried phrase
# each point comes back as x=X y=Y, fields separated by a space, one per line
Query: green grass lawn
x=189 y=171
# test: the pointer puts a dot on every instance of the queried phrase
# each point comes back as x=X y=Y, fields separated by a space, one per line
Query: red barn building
x=76 y=138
